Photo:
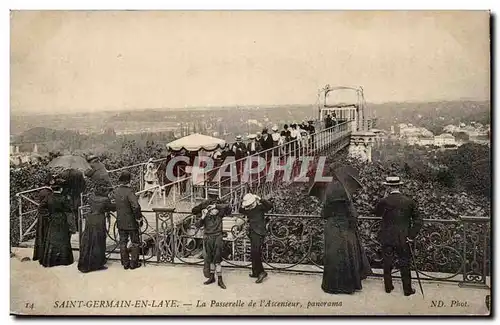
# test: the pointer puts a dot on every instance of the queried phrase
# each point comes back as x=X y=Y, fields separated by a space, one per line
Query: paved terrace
x=49 y=289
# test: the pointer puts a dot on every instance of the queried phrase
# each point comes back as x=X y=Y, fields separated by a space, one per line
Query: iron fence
x=445 y=250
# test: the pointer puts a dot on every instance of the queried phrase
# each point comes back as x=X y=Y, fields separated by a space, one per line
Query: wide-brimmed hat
x=392 y=181
x=252 y=136
x=92 y=158
x=238 y=138
x=274 y=128
x=248 y=200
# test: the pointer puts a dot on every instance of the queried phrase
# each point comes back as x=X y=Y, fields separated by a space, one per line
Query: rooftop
x=48 y=288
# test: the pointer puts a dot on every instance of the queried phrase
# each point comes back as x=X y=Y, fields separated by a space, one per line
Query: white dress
x=150 y=179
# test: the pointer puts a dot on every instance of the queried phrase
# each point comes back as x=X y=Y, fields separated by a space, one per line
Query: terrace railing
x=27 y=210
x=445 y=250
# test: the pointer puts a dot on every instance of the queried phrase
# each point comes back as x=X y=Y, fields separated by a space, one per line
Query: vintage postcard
x=250 y=163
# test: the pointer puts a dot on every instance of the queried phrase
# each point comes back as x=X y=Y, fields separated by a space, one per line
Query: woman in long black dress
x=345 y=262
x=43 y=218
x=55 y=242
x=93 y=244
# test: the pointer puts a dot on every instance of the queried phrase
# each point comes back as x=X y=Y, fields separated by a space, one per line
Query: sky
x=113 y=60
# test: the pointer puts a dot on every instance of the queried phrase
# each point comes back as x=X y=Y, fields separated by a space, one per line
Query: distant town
x=421 y=124
x=452 y=136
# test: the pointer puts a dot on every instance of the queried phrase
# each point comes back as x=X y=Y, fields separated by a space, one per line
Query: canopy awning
x=196 y=142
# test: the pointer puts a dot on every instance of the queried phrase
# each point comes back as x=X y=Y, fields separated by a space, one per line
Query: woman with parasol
x=71 y=168
x=345 y=262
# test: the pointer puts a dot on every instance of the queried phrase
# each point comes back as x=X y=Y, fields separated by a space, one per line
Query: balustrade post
x=141 y=177
x=163 y=217
x=80 y=224
x=474 y=274
x=231 y=175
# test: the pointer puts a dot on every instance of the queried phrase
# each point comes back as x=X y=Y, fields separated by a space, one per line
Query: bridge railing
x=235 y=177
x=445 y=250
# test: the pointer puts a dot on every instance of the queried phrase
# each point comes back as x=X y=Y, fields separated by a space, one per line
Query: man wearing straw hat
x=401 y=223
x=254 y=145
x=212 y=212
x=254 y=208
x=277 y=140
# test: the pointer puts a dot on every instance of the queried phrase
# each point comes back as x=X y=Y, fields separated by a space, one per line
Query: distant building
x=415 y=132
x=444 y=139
x=426 y=141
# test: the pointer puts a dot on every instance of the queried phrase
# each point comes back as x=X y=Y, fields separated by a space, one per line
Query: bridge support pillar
x=361 y=144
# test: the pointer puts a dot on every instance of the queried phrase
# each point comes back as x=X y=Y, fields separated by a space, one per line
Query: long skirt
x=57 y=242
x=343 y=267
x=93 y=244
x=40 y=236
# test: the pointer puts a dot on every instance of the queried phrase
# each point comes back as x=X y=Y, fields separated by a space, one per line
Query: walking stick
x=412 y=257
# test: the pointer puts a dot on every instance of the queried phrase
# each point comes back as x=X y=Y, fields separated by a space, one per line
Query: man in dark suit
x=128 y=216
x=97 y=172
x=240 y=151
x=401 y=223
x=311 y=130
x=254 y=208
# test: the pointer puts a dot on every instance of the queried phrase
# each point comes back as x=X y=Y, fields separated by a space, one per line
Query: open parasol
x=346 y=175
x=69 y=162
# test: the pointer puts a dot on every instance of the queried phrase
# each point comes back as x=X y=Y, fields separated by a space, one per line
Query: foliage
x=426 y=180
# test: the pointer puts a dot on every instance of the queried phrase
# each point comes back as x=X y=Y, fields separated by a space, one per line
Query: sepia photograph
x=250 y=163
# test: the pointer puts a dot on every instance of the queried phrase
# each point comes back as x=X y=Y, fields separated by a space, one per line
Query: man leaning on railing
x=97 y=172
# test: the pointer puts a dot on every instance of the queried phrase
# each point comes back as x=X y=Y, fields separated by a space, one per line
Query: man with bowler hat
x=128 y=218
